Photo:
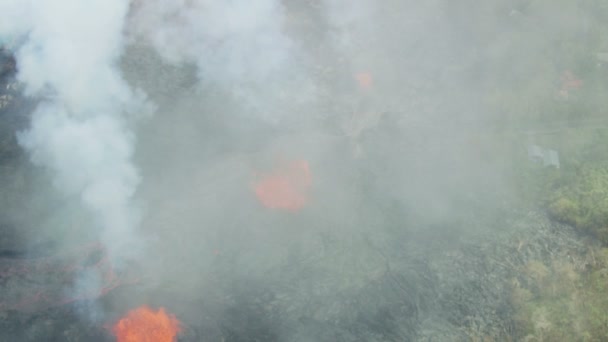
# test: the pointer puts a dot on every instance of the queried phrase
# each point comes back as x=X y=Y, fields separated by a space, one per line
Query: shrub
x=582 y=201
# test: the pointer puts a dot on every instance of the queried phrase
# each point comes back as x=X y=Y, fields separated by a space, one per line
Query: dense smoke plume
x=240 y=46
x=80 y=130
x=359 y=92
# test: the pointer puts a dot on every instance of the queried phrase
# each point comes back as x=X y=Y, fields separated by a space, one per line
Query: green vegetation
x=548 y=75
x=582 y=201
x=563 y=301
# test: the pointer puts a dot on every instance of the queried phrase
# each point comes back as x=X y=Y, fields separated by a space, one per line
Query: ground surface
x=375 y=274
x=385 y=291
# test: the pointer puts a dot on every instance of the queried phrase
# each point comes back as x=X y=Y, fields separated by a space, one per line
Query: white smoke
x=240 y=46
x=81 y=129
x=91 y=158
x=229 y=40
x=349 y=19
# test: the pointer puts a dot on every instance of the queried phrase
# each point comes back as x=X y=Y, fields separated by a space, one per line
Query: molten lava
x=569 y=83
x=364 y=80
x=40 y=283
x=145 y=325
x=286 y=187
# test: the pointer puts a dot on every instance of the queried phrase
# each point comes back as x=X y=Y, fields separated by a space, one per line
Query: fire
x=569 y=82
x=286 y=187
x=364 y=79
x=145 y=325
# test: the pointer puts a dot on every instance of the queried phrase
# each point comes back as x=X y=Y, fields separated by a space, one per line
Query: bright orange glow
x=146 y=325
x=569 y=82
x=286 y=187
x=365 y=80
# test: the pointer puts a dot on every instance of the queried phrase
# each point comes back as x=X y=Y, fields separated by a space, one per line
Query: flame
x=569 y=82
x=145 y=325
x=364 y=80
x=286 y=187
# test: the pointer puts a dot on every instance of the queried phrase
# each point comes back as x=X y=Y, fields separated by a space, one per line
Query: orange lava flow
x=286 y=187
x=145 y=325
x=365 y=80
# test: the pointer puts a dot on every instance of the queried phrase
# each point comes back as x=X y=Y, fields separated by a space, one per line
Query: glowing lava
x=145 y=325
x=364 y=80
x=569 y=83
x=39 y=283
x=286 y=187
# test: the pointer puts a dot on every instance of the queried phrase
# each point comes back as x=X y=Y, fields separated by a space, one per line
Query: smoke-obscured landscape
x=321 y=170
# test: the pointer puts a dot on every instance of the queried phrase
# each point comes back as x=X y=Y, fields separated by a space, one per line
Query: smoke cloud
x=355 y=104
x=240 y=46
x=81 y=128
